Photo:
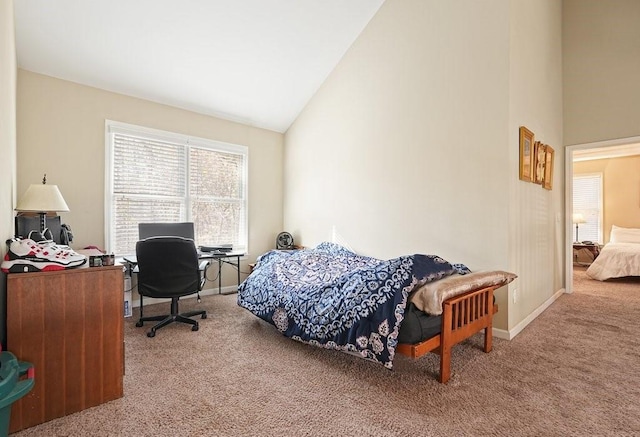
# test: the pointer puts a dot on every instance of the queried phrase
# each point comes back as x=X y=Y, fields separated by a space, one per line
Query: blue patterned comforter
x=333 y=298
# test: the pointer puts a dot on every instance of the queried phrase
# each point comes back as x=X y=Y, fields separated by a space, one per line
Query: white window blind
x=156 y=176
x=587 y=200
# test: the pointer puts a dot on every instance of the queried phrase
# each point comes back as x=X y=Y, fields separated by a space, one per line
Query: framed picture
x=526 y=154
x=539 y=161
x=548 y=168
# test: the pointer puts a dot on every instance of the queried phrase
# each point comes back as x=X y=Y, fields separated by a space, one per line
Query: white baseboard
x=510 y=334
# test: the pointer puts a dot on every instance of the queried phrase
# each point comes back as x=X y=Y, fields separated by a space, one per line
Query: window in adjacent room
x=587 y=200
x=157 y=176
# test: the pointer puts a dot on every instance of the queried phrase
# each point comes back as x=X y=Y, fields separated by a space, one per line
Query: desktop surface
x=219 y=254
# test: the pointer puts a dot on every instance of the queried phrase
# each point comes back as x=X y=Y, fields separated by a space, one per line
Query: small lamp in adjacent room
x=42 y=198
x=578 y=219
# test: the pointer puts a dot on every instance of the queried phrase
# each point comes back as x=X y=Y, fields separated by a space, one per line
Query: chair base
x=170 y=318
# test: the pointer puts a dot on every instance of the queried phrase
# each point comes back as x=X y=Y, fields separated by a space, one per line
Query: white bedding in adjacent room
x=616 y=260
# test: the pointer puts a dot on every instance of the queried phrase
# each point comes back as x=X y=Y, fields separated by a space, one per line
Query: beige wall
x=7 y=139
x=601 y=65
x=536 y=215
x=410 y=146
x=621 y=190
x=415 y=104
x=61 y=132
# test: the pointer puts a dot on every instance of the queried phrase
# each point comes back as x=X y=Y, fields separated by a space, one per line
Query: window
x=587 y=200
x=156 y=176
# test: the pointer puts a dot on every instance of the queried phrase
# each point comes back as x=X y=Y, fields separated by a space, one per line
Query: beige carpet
x=574 y=371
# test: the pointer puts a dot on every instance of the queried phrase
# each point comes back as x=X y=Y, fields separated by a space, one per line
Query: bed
x=620 y=257
x=331 y=297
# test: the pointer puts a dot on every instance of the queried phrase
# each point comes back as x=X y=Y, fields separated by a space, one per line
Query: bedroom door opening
x=580 y=152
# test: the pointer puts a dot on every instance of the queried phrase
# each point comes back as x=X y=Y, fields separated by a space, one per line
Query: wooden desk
x=69 y=325
x=222 y=258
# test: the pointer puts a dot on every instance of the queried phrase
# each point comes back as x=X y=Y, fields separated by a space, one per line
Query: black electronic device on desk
x=29 y=227
x=217 y=250
x=183 y=229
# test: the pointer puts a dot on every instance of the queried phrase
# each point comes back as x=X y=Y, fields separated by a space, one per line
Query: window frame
x=600 y=176
x=115 y=127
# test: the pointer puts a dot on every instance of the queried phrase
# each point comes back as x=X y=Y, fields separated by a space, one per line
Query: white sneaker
x=28 y=256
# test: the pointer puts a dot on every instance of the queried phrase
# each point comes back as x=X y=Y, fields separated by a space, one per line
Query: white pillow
x=624 y=235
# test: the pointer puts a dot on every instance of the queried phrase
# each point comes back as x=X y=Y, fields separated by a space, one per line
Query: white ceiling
x=253 y=61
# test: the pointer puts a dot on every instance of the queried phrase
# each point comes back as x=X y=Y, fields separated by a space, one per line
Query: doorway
x=599 y=150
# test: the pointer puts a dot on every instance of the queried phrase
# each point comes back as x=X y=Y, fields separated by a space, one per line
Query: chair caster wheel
x=138 y=323
x=151 y=334
x=204 y=316
x=195 y=327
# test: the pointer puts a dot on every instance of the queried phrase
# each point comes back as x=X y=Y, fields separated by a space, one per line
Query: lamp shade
x=42 y=198
x=578 y=219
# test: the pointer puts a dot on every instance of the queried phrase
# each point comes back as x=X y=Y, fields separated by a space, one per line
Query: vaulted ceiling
x=257 y=62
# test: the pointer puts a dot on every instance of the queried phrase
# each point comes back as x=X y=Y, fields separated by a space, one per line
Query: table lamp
x=577 y=220
x=42 y=198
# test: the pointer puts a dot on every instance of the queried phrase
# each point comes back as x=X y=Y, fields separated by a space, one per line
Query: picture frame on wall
x=526 y=154
x=539 y=161
x=548 y=168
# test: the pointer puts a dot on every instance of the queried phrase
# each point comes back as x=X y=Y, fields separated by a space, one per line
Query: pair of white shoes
x=26 y=255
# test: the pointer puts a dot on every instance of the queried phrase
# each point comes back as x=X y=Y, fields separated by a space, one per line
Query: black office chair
x=168 y=267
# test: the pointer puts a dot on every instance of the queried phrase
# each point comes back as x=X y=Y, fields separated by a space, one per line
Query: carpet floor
x=574 y=371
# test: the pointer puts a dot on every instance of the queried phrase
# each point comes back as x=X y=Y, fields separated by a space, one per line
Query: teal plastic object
x=13 y=386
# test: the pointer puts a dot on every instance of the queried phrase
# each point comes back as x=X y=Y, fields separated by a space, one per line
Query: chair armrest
x=204 y=265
